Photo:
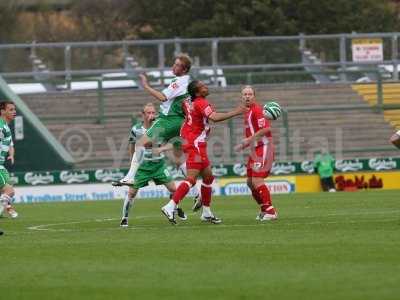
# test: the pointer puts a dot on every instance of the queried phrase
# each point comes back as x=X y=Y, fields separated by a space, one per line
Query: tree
x=190 y=18
x=7 y=21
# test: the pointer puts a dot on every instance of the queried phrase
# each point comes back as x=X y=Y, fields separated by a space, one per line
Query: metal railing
x=267 y=52
x=102 y=116
x=286 y=130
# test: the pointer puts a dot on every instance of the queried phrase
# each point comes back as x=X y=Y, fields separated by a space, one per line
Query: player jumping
x=168 y=124
x=171 y=114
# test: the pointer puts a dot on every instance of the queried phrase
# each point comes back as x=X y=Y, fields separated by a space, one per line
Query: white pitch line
x=45 y=227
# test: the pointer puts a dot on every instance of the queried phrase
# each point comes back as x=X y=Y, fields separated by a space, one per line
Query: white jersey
x=175 y=93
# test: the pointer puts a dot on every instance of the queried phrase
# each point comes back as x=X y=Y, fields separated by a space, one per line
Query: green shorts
x=4 y=178
x=164 y=129
x=152 y=171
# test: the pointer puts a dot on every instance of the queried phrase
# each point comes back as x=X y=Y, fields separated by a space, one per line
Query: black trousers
x=327 y=183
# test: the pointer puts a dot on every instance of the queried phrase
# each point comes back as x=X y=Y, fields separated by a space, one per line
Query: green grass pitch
x=324 y=246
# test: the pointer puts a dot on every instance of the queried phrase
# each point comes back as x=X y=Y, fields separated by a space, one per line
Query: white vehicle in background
x=27 y=88
x=109 y=81
x=206 y=75
x=155 y=79
x=364 y=74
x=210 y=73
x=388 y=70
x=121 y=81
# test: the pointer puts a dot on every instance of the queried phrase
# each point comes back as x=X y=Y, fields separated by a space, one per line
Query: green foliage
x=7 y=21
x=88 y=20
x=7 y=27
x=207 y=18
x=127 y=19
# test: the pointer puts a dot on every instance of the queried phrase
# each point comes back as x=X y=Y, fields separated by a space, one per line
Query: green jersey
x=153 y=167
x=5 y=142
x=137 y=132
x=324 y=164
x=175 y=93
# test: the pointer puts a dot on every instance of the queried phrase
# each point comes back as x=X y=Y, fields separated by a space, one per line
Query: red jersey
x=254 y=120
x=195 y=129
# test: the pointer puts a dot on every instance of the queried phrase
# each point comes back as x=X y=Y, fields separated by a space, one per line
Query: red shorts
x=260 y=161
x=196 y=157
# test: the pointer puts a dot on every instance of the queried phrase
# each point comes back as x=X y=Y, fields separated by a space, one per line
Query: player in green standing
x=7 y=114
x=153 y=167
x=324 y=165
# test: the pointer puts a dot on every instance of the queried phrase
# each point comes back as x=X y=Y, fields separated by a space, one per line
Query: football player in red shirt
x=194 y=133
x=259 y=139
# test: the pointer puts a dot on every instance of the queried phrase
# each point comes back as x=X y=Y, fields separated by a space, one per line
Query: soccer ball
x=272 y=110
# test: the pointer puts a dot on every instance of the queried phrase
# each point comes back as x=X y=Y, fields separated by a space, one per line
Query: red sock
x=181 y=191
x=265 y=196
x=256 y=196
x=206 y=192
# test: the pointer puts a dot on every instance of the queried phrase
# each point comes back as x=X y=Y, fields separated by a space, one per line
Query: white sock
x=137 y=159
x=5 y=199
x=194 y=188
x=170 y=198
x=195 y=191
x=128 y=202
x=183 y=169
x=171 y=205
x=207 y=211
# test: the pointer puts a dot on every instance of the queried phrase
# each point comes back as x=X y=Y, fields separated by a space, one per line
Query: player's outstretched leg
x=197 y=196
x=137 y=159
x=5 y=201
x=128 y=203
x=11 y=211
x=169 y=209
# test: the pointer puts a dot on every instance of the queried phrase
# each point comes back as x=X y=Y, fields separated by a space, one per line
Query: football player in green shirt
x=7 y=114
x=171 y=115
x=153 y=168
x=324 y=163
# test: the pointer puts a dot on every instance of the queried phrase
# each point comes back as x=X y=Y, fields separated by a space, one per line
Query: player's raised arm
x=219 y=117
x=161 y=149
x=156 y=94
x=252 y=139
